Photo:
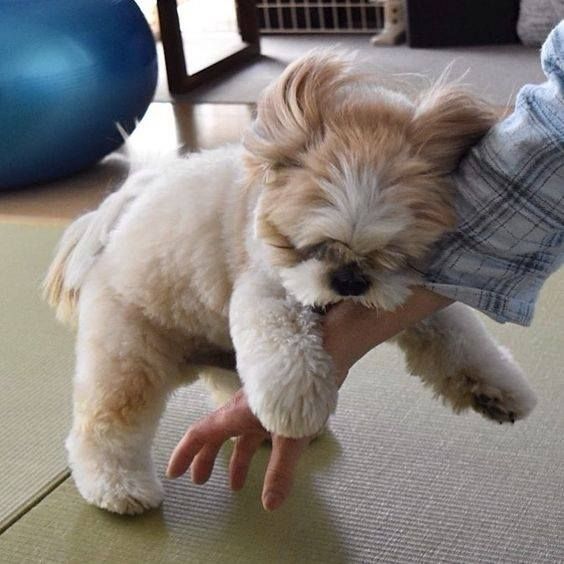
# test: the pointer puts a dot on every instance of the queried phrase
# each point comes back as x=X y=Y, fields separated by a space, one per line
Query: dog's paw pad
x=495 y=408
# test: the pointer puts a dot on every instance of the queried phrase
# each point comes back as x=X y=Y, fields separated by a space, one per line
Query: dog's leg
x=454 y=354
x=222 y=384
x=287 y=375
x=124 y=371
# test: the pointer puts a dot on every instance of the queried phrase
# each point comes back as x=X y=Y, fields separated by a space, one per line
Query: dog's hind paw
x=132 y=500
x=497 y=389
x=494 y=408
x=506 y=400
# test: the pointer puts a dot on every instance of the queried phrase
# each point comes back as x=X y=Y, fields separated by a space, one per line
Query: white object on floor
x=394 y=23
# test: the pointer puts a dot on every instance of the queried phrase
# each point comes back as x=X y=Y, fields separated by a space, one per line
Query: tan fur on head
x=343 y=159
x=290 y=111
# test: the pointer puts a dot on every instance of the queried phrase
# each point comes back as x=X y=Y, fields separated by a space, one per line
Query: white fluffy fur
x=306 y=283
x=179 y=263
x=453 y=353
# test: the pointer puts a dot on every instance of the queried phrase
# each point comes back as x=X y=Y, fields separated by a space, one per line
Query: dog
x=339 y=187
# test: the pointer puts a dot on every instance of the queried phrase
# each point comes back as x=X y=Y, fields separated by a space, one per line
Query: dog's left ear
x=447 y=122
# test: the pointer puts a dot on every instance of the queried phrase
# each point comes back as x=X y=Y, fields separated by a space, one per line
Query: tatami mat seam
x=23 y=510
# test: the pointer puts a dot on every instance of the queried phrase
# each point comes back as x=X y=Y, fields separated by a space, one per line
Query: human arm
x=350 y=331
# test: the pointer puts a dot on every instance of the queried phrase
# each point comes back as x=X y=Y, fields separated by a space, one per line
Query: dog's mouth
x=323 y=309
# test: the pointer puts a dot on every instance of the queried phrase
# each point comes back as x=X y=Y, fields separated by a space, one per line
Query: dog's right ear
x=448 y=120
x=290 y=111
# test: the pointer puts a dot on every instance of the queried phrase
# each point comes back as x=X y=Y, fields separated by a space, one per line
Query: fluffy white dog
x=339 y=187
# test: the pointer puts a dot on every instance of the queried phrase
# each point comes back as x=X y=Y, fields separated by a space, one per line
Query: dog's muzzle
x=349 y=280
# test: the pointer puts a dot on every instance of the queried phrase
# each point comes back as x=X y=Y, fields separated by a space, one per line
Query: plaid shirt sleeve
x=510 y=205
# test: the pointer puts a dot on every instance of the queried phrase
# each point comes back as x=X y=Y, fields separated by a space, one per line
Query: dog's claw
x=492 y=408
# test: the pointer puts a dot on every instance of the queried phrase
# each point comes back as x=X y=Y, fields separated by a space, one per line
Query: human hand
x=200 y=446
x=350 y=331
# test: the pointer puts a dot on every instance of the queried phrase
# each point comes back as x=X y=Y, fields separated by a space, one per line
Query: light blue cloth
x=510 y=205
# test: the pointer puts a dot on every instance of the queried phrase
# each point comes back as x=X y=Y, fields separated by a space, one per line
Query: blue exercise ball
x=69 y=71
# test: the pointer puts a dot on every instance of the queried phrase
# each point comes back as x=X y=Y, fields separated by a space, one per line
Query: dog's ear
x=290 y=111
x=447 y=122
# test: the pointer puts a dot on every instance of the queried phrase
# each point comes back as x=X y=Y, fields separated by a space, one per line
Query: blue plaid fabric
x=510 y=205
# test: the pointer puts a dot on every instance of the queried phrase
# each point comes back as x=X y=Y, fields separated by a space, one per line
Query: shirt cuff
x=500 y=308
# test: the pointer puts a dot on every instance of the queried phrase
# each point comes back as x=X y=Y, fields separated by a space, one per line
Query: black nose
x=349 y=281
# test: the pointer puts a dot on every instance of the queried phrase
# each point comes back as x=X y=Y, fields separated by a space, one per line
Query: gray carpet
x=497 y=72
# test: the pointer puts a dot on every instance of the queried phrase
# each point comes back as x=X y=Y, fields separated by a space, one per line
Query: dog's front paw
x=294 y=412
x=297 y=397
x=288 y=377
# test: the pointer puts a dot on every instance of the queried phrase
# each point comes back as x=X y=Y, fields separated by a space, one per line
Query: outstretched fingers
x=199 y=447
x=202 y=465
x=243 y=452
x=184 y=453
x=207 y=435
x=200 y=443
x=279 y=476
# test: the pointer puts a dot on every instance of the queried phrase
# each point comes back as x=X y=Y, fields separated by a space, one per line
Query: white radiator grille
x=320 y=16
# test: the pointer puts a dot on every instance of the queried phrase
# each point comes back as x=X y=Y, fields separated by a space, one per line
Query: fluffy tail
x=56 y=290
x=86 y=237
x=83 y=241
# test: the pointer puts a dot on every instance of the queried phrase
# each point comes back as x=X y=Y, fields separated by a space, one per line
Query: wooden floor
x=166 y=127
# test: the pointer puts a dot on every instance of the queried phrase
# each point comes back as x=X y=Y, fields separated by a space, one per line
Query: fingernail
x=169 y=475
x=272 y=501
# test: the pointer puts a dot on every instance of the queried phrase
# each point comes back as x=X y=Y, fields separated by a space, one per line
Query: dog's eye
x=293 y=163
x=315 y=251
x=282 y=247
x=283 y=255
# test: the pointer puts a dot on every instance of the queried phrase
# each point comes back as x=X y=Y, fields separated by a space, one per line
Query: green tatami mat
x=35 y=373
x=398 y=479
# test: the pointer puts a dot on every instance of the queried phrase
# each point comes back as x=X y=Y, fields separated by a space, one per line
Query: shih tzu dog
x=339 y=186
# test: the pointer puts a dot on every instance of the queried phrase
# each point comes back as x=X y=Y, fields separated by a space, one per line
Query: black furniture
x=442 y=23
x=179 y=81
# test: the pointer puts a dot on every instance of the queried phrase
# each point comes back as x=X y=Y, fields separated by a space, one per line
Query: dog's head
x=355 y=178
